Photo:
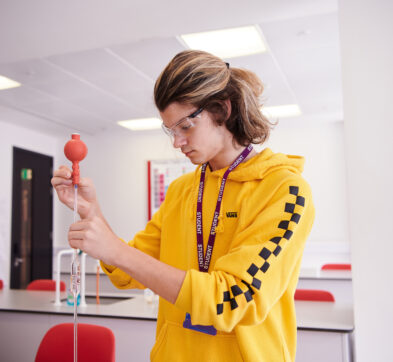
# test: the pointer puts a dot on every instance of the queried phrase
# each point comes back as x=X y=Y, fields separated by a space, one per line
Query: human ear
x=227 y=105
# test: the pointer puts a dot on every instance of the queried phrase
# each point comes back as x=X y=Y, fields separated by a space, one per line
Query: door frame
x=42 y=226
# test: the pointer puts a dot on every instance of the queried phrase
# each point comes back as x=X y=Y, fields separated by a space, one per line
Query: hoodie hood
x=262 y=164
x=256 y=168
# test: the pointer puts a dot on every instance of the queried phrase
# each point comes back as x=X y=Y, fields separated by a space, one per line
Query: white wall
x=366 y=30
x=322 y=145
x=11 y=135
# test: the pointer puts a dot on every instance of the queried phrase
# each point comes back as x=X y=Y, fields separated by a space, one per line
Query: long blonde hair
x=204 y=80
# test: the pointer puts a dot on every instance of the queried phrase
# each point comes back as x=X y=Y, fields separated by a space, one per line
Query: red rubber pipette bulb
x=75 y=150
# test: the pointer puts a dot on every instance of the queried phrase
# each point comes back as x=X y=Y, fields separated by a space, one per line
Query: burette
x=75 y=150
x=75 y=279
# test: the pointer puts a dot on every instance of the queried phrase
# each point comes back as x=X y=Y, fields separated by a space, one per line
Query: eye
x=185 y=126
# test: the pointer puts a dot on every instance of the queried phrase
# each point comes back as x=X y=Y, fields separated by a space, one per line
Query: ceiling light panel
x=7 y=83
x=141 y=124
x=284 y=111
x=227 y=43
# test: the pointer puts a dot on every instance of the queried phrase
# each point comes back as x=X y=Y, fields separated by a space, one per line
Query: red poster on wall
x=160 y=173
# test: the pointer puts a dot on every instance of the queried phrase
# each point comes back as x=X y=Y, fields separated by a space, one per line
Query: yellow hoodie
x=247 y=295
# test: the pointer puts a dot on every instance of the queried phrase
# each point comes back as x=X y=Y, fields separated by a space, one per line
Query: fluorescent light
x=7 y=83
x=227 y=43
x=288 y=110
x=141 y=124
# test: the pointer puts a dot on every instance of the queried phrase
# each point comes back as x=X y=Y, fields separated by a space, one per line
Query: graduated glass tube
x=75 y=279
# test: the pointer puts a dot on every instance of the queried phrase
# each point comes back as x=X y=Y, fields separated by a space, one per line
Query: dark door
x=31 y=239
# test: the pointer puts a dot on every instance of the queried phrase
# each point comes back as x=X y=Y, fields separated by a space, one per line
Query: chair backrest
x=314 y=295
x=95 y=343
x=45 y=284
x=336 y=267
x=1 y=284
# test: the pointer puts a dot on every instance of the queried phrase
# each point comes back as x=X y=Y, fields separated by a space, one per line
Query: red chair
x=95 y=344
x=337 y=267
x=314 y=295
x=1 y=284
x=45 y=284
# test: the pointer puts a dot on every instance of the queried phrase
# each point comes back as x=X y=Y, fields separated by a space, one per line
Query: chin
x=193 y=157
x=194 y=160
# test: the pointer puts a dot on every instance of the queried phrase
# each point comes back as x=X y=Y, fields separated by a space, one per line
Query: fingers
x=63 y=171
x=59 y=181
x=78 y=233
x=80 y=225
x=83 y=234
x=61 y=176
x=76 y=243
x=75 y=239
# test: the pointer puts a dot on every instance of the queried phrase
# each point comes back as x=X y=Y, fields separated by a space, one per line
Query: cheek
x=202 y=143
x=207 y=140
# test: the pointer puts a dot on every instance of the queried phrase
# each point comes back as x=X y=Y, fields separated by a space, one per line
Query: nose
x=179 y=141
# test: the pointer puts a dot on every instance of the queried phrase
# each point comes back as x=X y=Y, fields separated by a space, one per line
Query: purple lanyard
x=204 y=262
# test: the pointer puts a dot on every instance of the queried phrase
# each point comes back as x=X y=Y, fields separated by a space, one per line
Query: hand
x=87 y=201
x=95 y=237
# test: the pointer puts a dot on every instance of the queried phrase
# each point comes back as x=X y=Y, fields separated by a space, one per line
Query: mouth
x=188 y=153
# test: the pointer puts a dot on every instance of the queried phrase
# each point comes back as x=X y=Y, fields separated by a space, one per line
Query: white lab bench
x=324 y=329
x=338 y=282
x=25 y=316
x=326 y=345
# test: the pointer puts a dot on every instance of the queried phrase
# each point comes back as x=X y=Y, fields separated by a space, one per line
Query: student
x=224 y=249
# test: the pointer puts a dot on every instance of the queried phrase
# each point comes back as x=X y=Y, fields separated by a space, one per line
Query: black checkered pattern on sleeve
x=261 y=263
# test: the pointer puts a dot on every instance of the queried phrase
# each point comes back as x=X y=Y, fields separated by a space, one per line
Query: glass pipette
x=75 y=150
x=75 y=279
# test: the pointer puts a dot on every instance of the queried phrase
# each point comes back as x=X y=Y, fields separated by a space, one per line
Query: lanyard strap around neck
x=204 y=261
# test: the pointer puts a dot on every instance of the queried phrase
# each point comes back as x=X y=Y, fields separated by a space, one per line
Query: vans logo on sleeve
x=231 y=214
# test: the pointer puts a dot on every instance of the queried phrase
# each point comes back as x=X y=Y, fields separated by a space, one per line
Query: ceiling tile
x=34 y=122
x=32 y=72
x=276 y=90
x=305 y=33
x=24 y=95
x=315 y=77
x=72 y=116
x=92 y=89
x=104 y=71
x=307 y=51
x=90 y=98
x=150 y=55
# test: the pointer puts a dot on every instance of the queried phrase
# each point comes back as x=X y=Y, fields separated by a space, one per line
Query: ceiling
x=84 y=65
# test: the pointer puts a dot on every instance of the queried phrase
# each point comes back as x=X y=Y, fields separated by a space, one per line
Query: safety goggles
x=183 y=127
